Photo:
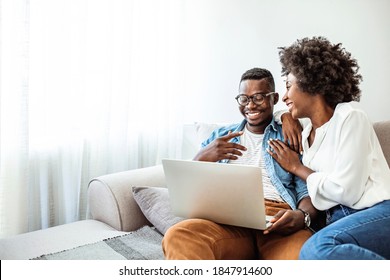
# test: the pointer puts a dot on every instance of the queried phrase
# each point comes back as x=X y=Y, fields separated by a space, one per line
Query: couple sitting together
x=327 y=186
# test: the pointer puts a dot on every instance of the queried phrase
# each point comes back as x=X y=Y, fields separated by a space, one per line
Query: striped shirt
x=252 y=156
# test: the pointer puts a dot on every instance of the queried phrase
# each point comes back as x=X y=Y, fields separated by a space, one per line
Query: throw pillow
x=204 y=130
x=154 y=204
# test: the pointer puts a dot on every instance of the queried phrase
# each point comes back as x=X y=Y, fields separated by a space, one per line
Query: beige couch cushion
x=382 y=129
x=55 y=239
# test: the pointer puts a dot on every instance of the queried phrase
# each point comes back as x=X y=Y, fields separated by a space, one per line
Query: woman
x=343 y=164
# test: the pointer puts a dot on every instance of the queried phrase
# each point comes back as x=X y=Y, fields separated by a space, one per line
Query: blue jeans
x=352 y=235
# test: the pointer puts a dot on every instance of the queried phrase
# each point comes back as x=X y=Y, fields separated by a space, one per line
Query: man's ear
x=276 y=97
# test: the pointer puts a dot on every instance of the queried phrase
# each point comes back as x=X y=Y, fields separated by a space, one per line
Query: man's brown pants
x=198 y=239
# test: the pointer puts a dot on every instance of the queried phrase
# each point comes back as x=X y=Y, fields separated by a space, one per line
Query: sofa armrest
x=110 y=197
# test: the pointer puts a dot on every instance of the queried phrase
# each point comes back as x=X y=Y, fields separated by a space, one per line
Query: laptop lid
x=224 y=193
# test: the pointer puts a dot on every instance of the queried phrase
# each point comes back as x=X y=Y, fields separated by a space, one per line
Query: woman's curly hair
x=322 y=68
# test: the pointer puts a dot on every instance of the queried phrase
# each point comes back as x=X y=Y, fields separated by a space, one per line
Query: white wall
x=242 y=34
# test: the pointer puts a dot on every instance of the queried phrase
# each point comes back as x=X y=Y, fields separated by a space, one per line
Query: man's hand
x=221 y=149
x=292 y=132
x=286 y=222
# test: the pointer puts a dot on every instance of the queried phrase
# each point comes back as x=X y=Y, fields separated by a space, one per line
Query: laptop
x=223 y=193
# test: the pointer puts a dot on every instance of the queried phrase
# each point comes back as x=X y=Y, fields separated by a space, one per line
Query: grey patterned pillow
x=154 y=204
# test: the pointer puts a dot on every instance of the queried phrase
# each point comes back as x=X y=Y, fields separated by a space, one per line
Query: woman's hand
x=288 y=159
x=285 y=156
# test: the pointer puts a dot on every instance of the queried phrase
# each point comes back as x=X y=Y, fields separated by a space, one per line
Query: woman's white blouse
x=348 y=161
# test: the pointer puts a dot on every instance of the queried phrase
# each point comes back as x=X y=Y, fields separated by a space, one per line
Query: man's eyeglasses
x=257 y=98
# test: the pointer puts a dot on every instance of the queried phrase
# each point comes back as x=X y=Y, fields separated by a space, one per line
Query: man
x=286 y=196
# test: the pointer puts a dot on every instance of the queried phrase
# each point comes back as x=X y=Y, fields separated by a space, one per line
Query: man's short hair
x=259 y=74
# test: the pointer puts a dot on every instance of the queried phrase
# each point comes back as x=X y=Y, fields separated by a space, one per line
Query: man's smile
x=253 y=114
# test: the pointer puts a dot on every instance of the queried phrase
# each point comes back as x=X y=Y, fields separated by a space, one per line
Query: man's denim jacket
x=291 y=188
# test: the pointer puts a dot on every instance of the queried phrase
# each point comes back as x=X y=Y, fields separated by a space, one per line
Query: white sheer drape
x=86 y=88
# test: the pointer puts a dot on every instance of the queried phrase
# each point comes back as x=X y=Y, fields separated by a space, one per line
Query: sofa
x=130 y=206
x=112 y=212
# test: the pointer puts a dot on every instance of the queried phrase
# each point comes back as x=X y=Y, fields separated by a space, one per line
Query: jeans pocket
x=337 y=212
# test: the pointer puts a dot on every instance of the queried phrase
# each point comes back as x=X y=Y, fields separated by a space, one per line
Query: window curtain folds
x=86 y=88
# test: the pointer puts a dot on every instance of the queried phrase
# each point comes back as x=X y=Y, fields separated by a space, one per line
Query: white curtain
x=86 y=88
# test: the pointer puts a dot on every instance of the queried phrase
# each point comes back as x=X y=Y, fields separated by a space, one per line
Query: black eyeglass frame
x=251 y=98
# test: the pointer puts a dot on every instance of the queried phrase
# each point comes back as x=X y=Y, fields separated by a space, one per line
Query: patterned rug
x=143 y=244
